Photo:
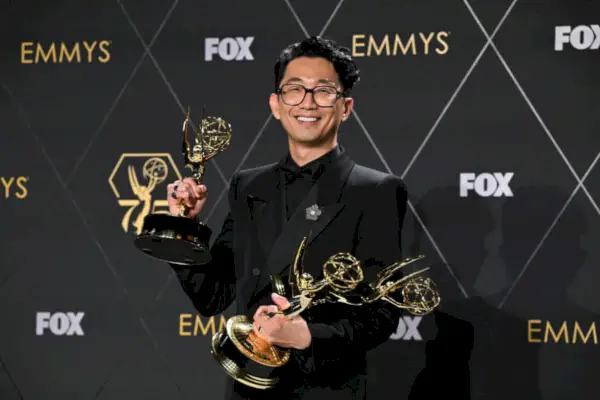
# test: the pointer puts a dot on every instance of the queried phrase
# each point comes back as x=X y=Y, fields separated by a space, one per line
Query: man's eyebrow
x=327 y=81
x=293 y=80
x=296 y=79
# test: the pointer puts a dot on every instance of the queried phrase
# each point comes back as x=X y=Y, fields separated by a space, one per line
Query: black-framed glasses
x=323 y=96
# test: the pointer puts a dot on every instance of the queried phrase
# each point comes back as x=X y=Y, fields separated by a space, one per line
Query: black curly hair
x=316 y=46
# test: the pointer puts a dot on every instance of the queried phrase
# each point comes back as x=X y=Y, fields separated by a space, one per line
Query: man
x=357 y=210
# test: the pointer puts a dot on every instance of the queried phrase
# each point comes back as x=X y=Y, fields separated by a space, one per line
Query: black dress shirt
x=297 y=181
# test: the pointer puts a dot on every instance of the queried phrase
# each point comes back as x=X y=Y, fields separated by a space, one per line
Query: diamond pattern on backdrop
x=106 y=110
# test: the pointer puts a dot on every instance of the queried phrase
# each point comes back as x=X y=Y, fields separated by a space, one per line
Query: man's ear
x=348 y=105
x=274 y=104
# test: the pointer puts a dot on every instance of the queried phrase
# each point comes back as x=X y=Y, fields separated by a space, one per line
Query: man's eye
x=326 y=90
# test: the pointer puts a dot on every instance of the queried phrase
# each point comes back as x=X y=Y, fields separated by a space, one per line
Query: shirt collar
x=315 y=168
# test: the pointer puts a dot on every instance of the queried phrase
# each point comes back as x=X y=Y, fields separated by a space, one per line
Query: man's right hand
x=192 y=194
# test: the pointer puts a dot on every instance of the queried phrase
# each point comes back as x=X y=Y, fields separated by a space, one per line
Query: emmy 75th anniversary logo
x=139 y=182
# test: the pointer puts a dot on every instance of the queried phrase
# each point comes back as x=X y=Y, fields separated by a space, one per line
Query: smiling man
x=318 y=189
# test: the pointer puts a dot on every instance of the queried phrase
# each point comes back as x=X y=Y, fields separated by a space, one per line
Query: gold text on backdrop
x=397 y=44
x=539 y=331
x=66 y=52
x=14 y=186
x=194 y=325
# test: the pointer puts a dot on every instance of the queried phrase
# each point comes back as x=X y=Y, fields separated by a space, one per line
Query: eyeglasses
x=323 y=96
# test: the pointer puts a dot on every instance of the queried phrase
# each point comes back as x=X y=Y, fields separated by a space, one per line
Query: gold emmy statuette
x=179 y=239
x=255 y=362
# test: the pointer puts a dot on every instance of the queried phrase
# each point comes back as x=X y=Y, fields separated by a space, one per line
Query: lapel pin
x=313 y=212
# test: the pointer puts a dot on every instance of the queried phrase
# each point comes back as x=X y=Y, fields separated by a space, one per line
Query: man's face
x=310 y=122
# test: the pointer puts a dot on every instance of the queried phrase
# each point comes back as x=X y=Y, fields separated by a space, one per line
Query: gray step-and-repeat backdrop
x=488 y=110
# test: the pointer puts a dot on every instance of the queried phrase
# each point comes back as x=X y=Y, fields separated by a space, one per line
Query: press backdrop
x=488 y=111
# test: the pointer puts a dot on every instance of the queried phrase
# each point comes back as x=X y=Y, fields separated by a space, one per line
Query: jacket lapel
x=299 y=226
x=325 y=196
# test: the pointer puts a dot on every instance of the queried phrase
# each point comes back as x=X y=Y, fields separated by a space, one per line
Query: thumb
x=280 y=301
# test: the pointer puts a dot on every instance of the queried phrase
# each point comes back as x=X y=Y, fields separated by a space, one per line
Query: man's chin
x=308 y=140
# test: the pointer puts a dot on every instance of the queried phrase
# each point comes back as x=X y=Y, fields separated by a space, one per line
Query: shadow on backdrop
x=568 y=362
x=478 y=352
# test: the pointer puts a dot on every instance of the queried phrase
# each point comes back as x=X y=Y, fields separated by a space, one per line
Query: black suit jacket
x=363 y=213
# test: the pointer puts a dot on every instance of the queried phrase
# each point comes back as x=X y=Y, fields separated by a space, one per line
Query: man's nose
x=309 y=101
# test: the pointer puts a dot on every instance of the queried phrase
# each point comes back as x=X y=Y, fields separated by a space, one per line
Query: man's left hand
x=281 y=330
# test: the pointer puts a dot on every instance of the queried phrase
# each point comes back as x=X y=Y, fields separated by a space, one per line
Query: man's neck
x=302 y=154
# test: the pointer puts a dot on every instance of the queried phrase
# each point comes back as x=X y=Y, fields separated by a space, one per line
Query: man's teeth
x=306 y=119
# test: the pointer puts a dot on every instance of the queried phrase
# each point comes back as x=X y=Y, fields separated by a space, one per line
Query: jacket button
x=256 y=272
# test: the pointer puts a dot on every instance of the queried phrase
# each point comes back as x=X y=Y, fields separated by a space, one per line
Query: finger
x=261 y=312
x=202 y=191
x=271 y=312
x=281 y=301
x=171 y=191
x=186 y=186
x=257 y=329
x=260 y=332
x=186 y=193
x=269 y=327
x=278 y=321
x=172 y=187
x=191 y=184
x=195 y=190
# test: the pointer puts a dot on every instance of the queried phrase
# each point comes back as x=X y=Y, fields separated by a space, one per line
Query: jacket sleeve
x=212 y=287
x=358 y=329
